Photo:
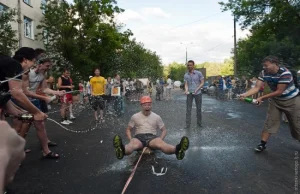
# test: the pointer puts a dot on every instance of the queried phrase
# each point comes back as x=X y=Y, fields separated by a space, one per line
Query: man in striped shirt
x=284 y=98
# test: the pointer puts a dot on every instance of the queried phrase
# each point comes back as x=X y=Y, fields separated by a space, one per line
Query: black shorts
x=97 y=101
x=44 y=106
x=145 y=138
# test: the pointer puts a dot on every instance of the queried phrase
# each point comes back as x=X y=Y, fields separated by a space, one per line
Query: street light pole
x=235 y=52
x=186 y=51
x=185 y=55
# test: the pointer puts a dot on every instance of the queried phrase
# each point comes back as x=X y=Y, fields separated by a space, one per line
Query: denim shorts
x=35 y=102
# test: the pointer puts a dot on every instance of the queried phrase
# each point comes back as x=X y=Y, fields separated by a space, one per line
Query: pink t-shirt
x=146 y=124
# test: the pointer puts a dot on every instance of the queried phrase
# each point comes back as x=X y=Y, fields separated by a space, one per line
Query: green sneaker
x=182 y=147
x=119 y=147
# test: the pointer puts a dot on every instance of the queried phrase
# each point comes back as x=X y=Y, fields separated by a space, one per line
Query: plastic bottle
x=21 y=117
x=251 y=100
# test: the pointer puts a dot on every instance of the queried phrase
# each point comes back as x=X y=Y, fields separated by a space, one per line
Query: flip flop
x=51 y=155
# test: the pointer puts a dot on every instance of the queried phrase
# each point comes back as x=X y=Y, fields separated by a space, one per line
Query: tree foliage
x=274 y=27
x=8 y=39
x=177 y=70
x=83 y=36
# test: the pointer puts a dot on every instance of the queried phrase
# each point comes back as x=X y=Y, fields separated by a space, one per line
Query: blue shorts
x=35 y=102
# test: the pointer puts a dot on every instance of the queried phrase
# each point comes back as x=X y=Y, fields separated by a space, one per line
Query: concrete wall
x=33 y=12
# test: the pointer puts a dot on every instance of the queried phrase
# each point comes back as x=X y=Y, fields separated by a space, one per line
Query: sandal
x=51 y=144
x=51 y=155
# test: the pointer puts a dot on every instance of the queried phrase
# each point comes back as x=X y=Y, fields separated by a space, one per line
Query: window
x=2 y=8
x=43 y=4
x=28 y=28
x=28 y=2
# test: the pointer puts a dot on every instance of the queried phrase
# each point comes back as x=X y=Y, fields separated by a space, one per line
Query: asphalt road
x=221 y=158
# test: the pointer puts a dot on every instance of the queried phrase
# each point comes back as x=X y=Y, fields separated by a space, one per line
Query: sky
x=170 y=27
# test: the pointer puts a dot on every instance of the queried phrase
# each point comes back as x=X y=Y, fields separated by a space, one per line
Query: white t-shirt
x=88 y=87
x=35 y=79
x=169 y=82
x=146 y=124
x=132 y=84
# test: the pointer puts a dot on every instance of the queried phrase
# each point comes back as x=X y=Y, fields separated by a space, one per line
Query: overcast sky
x=169 y=26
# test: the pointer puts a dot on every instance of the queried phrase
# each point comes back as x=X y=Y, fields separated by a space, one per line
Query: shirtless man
x=32 y=82
x=147 y=123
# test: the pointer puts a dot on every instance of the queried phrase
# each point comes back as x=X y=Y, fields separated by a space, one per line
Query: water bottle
x=25 y=117
x=251 y=100
x=22 y=117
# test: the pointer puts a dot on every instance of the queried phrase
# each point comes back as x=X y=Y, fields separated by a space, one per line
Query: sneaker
x=119 y=147
x=72 y=117
x=182 y=147
x=260 y=148
x=70 y=122
x=65 y=122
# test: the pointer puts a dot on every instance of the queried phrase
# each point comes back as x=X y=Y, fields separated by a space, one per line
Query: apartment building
x=30 y=14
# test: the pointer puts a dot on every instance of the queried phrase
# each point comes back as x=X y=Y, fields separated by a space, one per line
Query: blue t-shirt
x=228 y=83
x=221 y=84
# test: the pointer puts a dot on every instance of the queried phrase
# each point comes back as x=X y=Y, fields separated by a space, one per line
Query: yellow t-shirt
x=97 y=85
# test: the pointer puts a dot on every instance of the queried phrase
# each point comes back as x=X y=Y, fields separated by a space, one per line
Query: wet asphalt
x=221 y=157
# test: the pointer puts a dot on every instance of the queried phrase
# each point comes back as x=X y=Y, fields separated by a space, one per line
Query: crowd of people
x=25 y=93
x=227 y=87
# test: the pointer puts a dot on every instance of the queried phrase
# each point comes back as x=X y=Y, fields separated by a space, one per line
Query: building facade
x=29 y=14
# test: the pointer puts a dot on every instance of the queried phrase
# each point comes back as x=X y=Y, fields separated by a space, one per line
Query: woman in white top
x=169 y=87
x=253 y=83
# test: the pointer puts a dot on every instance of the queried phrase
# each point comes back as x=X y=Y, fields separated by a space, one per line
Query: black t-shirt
x=65 y=82
x=8 y=68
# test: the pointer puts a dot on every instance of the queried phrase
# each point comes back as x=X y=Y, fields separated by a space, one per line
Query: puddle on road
x=117 y=166
x=213 y=148
x=233 y=115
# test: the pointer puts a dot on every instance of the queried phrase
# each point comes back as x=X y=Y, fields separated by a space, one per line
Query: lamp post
x=186 y=51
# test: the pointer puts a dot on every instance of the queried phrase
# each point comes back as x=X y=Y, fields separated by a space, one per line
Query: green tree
x=227 y=67
x=8 y=39
x=274 y=27
x=83 y=36
x=177 y=71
